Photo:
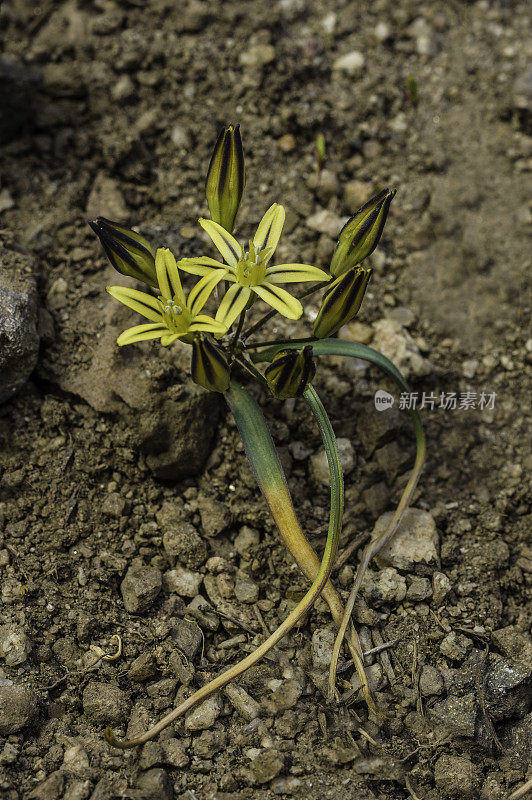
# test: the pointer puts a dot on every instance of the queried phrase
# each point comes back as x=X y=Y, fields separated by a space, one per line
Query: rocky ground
x=130 y=523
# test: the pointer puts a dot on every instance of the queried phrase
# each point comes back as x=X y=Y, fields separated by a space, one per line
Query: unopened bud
x=290 y=372
x=342 y=301
x=129 y=253
x=226 y=178
x=360 y=235
x=209 y=367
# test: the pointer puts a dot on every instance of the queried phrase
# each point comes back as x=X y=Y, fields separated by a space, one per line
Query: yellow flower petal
x=203 y=265
x=169 y=338
x=168 y=274
x=145 y=304
x=233 y=303
x=295 y=273
x=270 y=228
x=281 y=300
x=205 y=323
x=141 y=333
x=200 y=293
x=222 y=239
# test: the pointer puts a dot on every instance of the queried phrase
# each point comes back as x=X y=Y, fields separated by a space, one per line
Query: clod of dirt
x=456 y=776
x=19 y=338
x=140 y=587
x=156 y=785
x=215 y=516
x=180 y=539
x=385 y=586
x=414 y=547
x=18 y=707
x=393 y=341
x=105 y=703
x=265 y=767
x=14 y=645
x=430 y=681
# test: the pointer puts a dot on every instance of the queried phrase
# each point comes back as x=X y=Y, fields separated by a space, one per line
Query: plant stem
x=303 y=340
x=263 y=320
x=331 y=545
x=238 y=331
x=270 y=477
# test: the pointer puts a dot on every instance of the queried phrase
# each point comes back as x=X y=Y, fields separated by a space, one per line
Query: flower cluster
x=246 y=274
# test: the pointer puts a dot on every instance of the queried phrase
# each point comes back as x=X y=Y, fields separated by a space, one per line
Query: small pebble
x=204 y=715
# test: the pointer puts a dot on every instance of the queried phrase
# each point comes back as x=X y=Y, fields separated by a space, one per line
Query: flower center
x=251 y=269
x=176 y=318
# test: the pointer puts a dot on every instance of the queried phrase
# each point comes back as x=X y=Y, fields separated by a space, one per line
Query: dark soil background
x=127 y=506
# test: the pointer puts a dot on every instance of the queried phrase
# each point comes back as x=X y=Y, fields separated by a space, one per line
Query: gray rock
x=105 y=703
x=18 y=707
x=208 y=743
x=140 y=587
x=246 y=590
x=246 y=706
x=441 y=586
x=351 y=63
x=414 y=546
x=458 y=713
x=456 y=776
x=19 y=338
x=156 y=785
x=430 y=681
x=266 y=766
x=215 y=516
x=187 y=637
x=14 y=645
x=204 y=715
x=386 y=586
x=507 y=685
x=326 y=221
x=182 y=581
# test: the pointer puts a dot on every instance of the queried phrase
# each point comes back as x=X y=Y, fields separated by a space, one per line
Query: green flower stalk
x=129 y=252
x=290 y=372
x=342 y=301
x=209 y=366
x=226 y=178
x=248 y=270
x=361 y=234
x=172 y=315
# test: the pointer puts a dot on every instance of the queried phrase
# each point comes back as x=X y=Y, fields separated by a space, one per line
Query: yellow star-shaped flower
x=172 y=315
x=248 y=270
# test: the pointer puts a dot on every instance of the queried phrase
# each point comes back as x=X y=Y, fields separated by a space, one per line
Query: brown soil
x=105 y=451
